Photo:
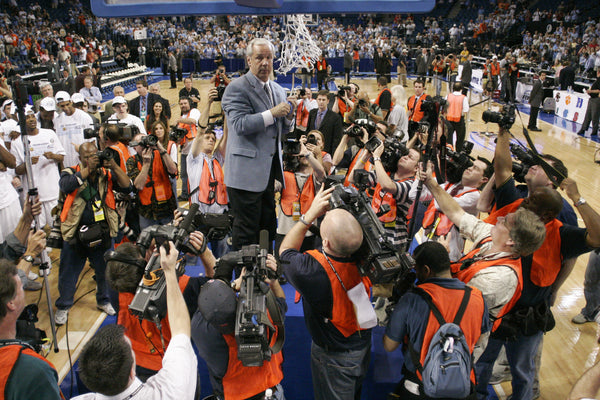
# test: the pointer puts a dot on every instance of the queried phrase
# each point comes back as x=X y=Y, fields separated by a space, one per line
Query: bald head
x=87 y=148
x=341 y=232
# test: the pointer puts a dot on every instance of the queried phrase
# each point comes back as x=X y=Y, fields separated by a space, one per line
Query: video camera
x=126 y=132
x=505 y=118
x=213 y=226
x=377 y=257
x=458 y=162
x=526 y=161
x=253 y=330
x=176 y=134
x=150 y=300
x=93 y=132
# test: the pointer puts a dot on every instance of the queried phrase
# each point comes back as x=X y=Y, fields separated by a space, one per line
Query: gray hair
x=259 y=42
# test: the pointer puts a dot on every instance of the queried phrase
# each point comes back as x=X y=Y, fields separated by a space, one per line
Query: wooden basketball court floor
x=568 y=350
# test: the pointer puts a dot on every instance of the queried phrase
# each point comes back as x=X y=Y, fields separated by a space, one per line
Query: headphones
x=112 y=255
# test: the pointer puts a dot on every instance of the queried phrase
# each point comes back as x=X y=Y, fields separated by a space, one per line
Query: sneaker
x=500 y=376
x=32 y=276
x=581 y=319
x=31 y=285
x=107 y=308
x=61 y=316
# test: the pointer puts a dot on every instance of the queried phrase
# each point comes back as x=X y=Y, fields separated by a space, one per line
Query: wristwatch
x=579 y=202
x=305 y=222
x=28 y=258
x=375 y=159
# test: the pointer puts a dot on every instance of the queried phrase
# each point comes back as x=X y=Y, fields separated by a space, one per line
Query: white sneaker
x=107 y=308
x=32 y=276
x=61 y=316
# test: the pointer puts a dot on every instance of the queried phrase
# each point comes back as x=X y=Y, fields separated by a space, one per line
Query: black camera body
x=220 y=91
x=505 y=118
x=363 y=103
x=311 y=139
x=392 y=152
x=291 y=147
x=458 y=162
x=356 y=131
x=342 y=91
x=92 y=133
x=148 y=141
x=377 y=258
x=108 y=154
x=176 y=134
x=526 y=160
x=212 y=225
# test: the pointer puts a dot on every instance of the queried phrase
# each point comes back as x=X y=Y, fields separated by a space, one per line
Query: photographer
x=394 y=180
x=205 y=172
x=321 y=71
x=452 y=70
x=415 y=111
x=344 y=101
x=124 y=271
x=150 y=169
x=305 y=104
x=110 y=136
x=220 y=78
x=350 y=150
x=213 y=328
x=340 y=349
x=303 y=174
x=106 y=364
x=438 y=73
x=89 y=221
x=190 y=92
x=411 y=324
x=364 y=109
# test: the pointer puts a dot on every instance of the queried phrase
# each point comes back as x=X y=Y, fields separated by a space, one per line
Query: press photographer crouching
x=107 y=362
x=124 y=271
x=89 y=222
x=244 y=360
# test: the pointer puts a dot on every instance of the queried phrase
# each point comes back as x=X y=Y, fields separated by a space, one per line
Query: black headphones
x=111 y=255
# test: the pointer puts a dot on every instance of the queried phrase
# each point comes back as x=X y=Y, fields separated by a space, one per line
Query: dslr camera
x=220 y=91
x=458 y=162
x=526 y=161
x=176 y=134
x=108 y=154
x=505 y=118
x=148 y=141
x=343 y=90
x=356 y=131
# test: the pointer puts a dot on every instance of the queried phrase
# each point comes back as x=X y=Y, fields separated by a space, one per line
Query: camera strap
x=277 y=319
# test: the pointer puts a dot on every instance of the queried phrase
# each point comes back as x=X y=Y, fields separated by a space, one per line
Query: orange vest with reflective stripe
x=321 y=65
x=415 y=108
x=379 y=95
x=357 y=157
x=465 y=275
x=190 y=128
x=161 y=184
x=495 y=68
x=123 y=154
x=109 y=200
x=343 y=317
x=9 y=355
x=448 y=302
x=240 y=382
x=302 y=116
x=455 y=107
x=145 y=338
x=432 y=214
x=204 y=187
x=388 y=198
x=291 y=193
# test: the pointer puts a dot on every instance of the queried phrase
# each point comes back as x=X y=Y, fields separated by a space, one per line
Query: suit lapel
x=258 y=89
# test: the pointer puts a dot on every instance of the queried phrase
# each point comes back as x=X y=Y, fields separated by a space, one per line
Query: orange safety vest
x=495 y=68
x=439 y=67
x=204 y=188
x=448 y=302
x=455 y=107
x=123 y=154
x=343 y=317
x=291 y=194
x=321 y=65
x=432 y=214
x=388 y=198
x=109 y=200
x=547 y=260
x=192 y=130
x=452 y=68
x=414 y=106
x=9 y=355
x=357 y=157
x=242 y=382
x=355 y=55
x=466 y=274
x=160 y=185
x=379 y=95
x=302 y=116
x=144 y=335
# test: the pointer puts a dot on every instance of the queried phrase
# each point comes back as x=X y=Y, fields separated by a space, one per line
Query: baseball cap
x=218 y=303
x=48 y=104
x=77 y=98
x=62 y=96
x=10 y=103
x=119 y=100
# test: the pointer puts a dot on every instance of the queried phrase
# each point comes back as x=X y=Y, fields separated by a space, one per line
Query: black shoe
x=183 y=197
x=594 y=134
x=581 y=133
x=535 y=129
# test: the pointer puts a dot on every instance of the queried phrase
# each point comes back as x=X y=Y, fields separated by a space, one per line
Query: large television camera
x=253 y=329
x=377 y=257
x=150 y=300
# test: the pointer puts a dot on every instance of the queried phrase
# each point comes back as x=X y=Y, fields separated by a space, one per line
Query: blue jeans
x=591 y=286
x=521 y=358
x=72 y=261
x=145 y=222
x=219 y=247
x=338 y=375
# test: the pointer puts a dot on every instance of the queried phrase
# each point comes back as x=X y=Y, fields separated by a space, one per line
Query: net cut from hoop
x=299 y=49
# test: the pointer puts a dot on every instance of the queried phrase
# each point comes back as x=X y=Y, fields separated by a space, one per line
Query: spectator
x=156 y=114
x=91 y=94
x=190 y=92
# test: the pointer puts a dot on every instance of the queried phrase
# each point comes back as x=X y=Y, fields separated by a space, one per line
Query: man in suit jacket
x=147 y=99
x=566 y=76
x=258 y=114
x=467 y=74
x=535 y=101
x=327 y=122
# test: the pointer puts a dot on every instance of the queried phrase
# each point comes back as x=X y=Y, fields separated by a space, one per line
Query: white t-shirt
x=69 y=129
x=130 y=119
x=45 y=172
x=194 y=170
x=9 y=194
x=6 y=127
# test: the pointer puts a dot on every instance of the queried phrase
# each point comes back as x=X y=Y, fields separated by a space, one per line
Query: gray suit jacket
x=251 y=145
x=537 y=94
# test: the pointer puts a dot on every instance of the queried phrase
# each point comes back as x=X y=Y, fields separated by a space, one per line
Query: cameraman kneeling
x=107 y=362
x=213 y=327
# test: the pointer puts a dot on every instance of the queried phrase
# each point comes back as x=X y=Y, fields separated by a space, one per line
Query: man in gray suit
x=535 y=101
x=258 y=114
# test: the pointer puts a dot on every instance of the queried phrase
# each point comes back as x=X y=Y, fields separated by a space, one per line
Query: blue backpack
x=446 y=372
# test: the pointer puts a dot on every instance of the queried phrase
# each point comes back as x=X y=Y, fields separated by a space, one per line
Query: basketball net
x=298 y=50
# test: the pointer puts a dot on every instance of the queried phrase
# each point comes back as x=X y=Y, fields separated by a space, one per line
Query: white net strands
x=299 y=49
